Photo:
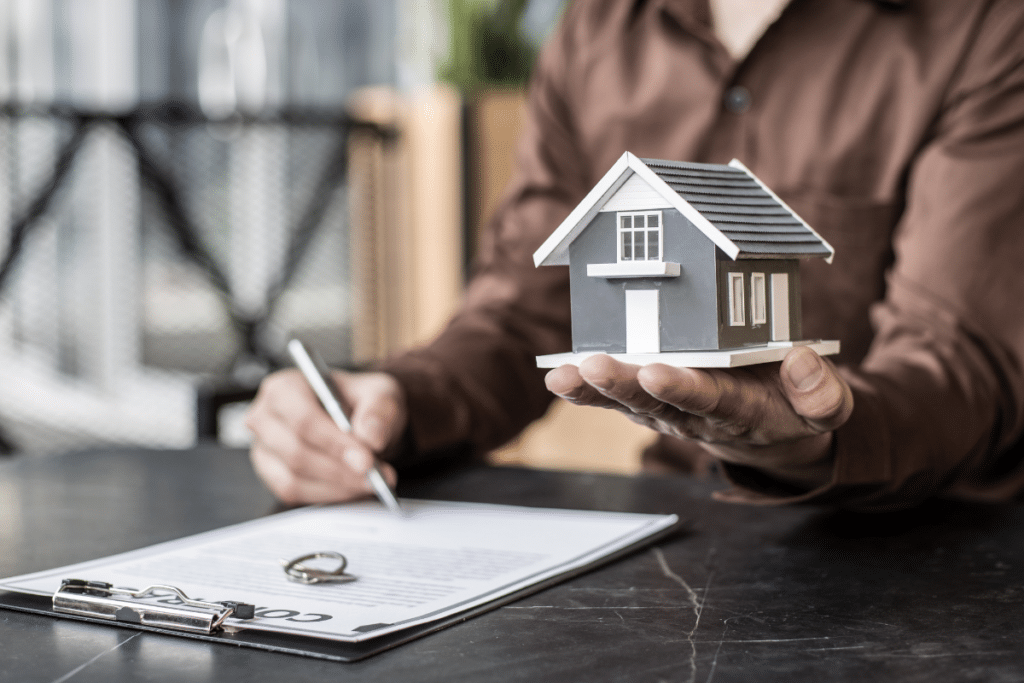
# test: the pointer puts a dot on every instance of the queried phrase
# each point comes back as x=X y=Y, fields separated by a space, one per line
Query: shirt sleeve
x=477 y=384
x=939 y=399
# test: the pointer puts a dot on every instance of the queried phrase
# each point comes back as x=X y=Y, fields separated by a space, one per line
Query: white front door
x=780 y=307
x=643 y=333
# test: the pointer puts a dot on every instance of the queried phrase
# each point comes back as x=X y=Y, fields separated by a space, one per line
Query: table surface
x=765 y=594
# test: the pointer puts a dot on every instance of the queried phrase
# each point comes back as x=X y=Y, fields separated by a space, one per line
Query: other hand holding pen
x=302 y=456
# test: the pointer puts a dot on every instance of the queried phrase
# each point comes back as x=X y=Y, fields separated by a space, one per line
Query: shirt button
x=737 y=99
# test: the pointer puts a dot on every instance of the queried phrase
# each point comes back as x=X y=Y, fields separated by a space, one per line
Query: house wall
x=748 y=334
x=688 y=303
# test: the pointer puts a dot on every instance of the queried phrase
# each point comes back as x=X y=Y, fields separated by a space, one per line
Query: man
x=895 y=128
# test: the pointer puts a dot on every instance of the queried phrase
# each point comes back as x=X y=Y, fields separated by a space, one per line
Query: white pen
x=319 y=378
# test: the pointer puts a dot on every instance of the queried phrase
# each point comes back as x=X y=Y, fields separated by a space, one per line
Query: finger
x=298 y=451
x=618 y=381
x=815 y=389
x=308 y=442
x=726 y=405
x=715 y=395
x=566 y=383
x=293 y=489
x=379 y=413
x=285 y=396
x=336 y=468
x=305 y=460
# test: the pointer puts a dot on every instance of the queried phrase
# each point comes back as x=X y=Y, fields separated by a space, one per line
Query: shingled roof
x=733 y=200
x=726 y=202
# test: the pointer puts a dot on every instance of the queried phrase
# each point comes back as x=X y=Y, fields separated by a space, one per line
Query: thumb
x=378 y=408
x=815 y=389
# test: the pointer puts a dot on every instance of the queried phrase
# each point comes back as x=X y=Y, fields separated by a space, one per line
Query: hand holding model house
x=679 y=266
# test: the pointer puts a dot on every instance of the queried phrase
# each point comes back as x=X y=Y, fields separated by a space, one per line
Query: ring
x=300 y=573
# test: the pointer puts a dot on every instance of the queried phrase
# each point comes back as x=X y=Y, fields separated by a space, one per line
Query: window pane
x=627 y=222
x=736 y=303
x=627 y=245
x=758 y=299
x=652 y=245
x=652 y=220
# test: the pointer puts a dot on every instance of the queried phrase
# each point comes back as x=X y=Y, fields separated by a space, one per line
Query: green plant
x=487 y=45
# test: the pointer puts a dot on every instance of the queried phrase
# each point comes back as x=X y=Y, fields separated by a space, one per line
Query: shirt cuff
x=861 y=464
x=436 y=427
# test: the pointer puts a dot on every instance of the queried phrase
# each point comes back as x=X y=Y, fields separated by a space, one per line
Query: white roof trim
x=736 y=163
x=555 y=252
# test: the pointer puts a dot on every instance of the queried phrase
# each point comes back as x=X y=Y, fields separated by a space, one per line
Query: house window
x=737 y=302
x=758 y=299
x=640 y=236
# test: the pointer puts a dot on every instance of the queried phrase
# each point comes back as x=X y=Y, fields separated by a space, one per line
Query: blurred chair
x=104 y=340
x=404 y=235
x=169 y=216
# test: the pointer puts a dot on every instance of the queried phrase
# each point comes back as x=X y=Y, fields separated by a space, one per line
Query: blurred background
x=187 y=184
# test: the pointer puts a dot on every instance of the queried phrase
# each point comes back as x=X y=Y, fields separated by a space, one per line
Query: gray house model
x=683 y=263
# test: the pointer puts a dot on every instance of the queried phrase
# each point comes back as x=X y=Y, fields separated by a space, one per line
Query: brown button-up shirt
x=895 y=129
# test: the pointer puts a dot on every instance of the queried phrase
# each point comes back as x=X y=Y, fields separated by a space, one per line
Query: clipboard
x=325 y=649
x=89 y=598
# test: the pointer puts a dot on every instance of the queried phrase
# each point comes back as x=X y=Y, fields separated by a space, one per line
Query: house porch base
x=725 y=358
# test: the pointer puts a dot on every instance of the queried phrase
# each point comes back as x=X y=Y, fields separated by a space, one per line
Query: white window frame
x=758 y=299
x=619 y=230
x=737 y=302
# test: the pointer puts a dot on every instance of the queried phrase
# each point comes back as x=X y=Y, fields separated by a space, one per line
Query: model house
x=683 y=263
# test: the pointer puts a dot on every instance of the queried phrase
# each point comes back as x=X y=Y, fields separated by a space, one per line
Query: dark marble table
x=749 y=594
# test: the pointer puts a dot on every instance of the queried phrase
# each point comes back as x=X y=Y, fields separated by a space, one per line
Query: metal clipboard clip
x=102 y=601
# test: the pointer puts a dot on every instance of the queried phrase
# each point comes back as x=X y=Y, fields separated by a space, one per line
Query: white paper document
x=442 y=559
